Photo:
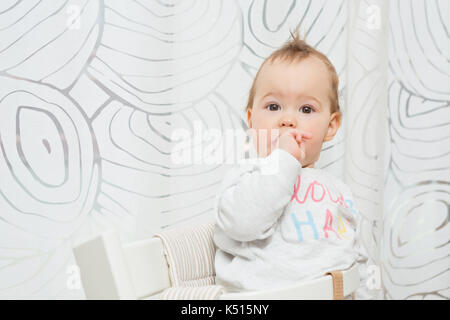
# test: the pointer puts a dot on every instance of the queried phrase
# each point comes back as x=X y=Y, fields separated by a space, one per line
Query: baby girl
x=299 y=222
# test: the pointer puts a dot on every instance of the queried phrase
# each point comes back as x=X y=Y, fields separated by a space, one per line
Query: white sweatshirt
x=291 y=225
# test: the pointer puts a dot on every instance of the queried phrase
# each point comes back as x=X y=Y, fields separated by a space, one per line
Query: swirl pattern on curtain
x=91 y=92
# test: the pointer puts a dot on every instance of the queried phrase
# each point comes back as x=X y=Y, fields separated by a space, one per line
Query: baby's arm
x=251 y=201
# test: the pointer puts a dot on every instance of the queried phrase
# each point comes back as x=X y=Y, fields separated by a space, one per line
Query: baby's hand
x=293 y=142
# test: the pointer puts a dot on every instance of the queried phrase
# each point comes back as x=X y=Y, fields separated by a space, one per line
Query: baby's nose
x=287 y=123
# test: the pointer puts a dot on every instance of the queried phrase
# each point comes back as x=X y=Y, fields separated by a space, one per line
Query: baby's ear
x=249 y=120
x=333 y=126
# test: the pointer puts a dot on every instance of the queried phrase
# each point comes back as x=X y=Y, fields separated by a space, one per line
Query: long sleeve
x=251 y=200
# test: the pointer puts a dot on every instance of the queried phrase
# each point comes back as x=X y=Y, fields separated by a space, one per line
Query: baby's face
x=294 y=95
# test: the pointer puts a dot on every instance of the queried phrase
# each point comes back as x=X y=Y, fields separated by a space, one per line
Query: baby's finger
x=302 y=150
x=293 y=134
x=300 y=138
x=291 y=131
x=275 y=139
x=296 y=136
x=306 y=135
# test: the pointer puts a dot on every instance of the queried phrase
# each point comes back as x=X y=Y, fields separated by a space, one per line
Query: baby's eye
x=306 y=109
x=269 y=106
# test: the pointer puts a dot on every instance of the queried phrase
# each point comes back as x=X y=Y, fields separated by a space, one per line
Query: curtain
x=92 y=91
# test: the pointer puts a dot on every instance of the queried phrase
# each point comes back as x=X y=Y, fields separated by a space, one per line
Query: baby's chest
x=316 y=211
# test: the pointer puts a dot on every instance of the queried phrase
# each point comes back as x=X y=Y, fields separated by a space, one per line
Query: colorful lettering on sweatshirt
x=322 y=224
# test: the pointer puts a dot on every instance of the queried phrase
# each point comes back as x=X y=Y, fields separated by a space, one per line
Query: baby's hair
x=297 y=49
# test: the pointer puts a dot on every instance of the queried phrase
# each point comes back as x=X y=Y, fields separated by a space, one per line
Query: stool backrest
x=110 y=270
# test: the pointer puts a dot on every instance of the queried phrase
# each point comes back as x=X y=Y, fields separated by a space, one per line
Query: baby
x=299 y=222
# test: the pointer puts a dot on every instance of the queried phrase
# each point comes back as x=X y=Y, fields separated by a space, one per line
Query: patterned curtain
x=91 y=92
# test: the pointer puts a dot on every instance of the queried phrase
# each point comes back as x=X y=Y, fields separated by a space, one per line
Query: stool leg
x=338 y=284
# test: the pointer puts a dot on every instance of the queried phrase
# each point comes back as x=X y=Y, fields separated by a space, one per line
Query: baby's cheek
x=313 y=148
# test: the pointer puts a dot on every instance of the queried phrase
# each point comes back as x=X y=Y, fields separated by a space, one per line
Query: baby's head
x=295 y=87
